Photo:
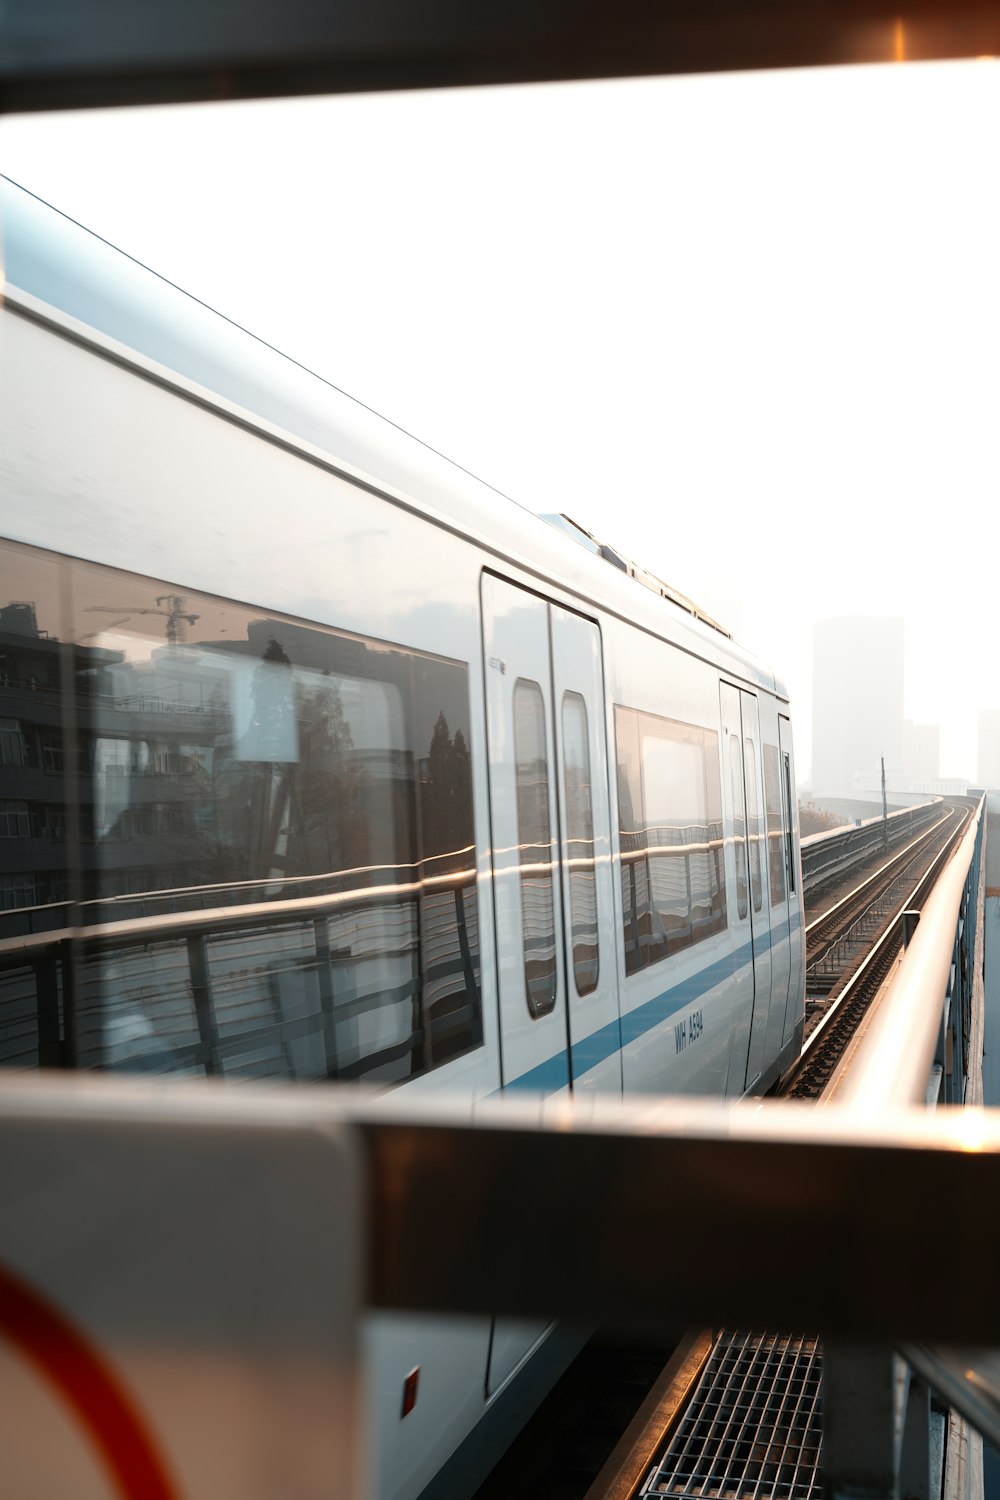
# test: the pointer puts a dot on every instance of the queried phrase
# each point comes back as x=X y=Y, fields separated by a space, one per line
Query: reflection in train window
x=535 y=847
x=273 y=841
x=14 y=820
x=739 y=822
x=11 y=743
x=788 y=804
x=670 y=826
x=580 y=844
x=753 y=823
x=775 y=830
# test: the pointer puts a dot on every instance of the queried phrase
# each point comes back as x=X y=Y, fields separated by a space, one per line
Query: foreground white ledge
x=636 y=1211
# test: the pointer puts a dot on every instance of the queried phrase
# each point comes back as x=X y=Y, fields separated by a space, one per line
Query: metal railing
x=923 y=1047
x=925 y=1020
x=647 y=1193
x=314 y=983
x=827 y=856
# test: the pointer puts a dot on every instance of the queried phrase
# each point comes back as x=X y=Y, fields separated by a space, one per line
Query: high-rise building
x=857 y=703
x=921 y=753
x=988 y=759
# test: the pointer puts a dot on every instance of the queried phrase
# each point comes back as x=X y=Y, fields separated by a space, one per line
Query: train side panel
x=675 y=953
x=177 y=734
x=278 y=818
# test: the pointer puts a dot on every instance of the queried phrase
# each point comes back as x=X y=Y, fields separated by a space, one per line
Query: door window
x=535 y=848
x=580 y=844
x=739 y=822
x=788 y=822
x=775 y=831
x=753 y=824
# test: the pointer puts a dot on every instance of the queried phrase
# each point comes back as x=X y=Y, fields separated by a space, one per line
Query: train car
x=322 y=760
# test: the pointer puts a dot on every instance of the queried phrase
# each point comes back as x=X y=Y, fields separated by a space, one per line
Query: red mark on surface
x=87 y=1384
x=410 y=1391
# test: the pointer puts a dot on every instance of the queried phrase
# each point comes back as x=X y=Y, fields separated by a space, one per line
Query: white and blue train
x=319 y=759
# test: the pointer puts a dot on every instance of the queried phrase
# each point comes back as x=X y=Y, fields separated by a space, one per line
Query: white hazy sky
x=745 y=327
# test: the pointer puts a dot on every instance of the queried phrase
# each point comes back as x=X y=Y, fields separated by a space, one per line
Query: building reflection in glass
x=248 y=853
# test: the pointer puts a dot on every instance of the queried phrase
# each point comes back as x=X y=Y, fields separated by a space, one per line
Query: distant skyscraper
x=921 y=752
x=857 y=703
x=988 y=760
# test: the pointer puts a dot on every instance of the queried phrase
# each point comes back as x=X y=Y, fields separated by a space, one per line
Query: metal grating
x=753 y=1427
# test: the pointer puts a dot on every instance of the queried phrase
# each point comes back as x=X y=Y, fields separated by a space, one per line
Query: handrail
x=824 y=854
x=591 y=1173
x=893 y=1061
x=969 y=1379
x=104 y=905
x=218 y=919
x=846 y=831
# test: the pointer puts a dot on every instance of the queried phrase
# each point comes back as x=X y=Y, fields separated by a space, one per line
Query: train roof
x=68 y=269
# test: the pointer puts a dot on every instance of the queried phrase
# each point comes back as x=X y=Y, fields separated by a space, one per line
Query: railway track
x=832 y=1021
x=853 y=919
x=824 y=871
x=618 y=1425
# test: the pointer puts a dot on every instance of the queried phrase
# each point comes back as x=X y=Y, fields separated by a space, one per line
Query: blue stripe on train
x=592 y=1050
x=635 y=1023
x=547 y=1076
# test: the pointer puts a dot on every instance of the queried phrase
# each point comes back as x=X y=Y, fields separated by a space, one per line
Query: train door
x=777 y=858
x=527 y=898
x=757 y=871
x=557 y=980
x=740 y=928
x=793 y=874
x=585 y=846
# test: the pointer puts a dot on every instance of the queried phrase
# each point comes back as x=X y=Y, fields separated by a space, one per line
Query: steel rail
x=893 y=865
x=827 y=857
x=894 y=859
x=893 y=1062
x=875 y=964
x=817 y=1038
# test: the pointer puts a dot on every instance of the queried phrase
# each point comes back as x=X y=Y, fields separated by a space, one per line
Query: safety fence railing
x=924 y=1047
x=825 y=857
x=923 y=1029
x=300 y=981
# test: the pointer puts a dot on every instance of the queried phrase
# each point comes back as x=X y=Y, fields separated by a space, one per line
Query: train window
x=775 y=830
x=739 y=822
x=671 y=833
x=789 y=804
x=34 y=863
x=535 y=847
x=580 y=844
x=753 y=823
x=270 y=845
